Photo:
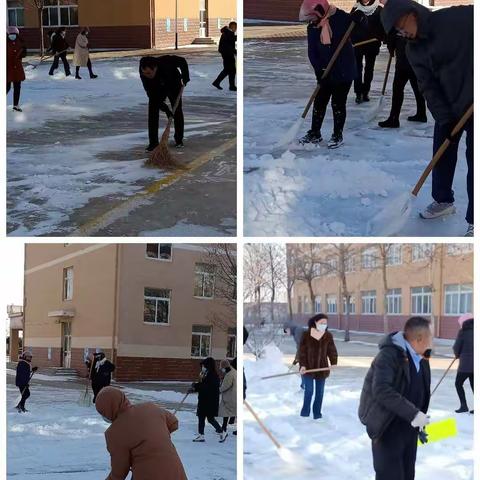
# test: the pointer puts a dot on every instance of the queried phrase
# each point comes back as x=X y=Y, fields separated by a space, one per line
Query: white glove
x=302 y=370
x=421 y=420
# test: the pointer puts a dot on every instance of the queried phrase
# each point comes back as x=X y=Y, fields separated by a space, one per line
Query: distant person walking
x=228 y=402
x=15 y=74
x=22 y=379
x=59 y=48
x=228 y=50
x=463 y=350
x=100 y=372
x=81 y=56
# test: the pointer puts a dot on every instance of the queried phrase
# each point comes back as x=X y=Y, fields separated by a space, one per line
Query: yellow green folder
x=441 y=430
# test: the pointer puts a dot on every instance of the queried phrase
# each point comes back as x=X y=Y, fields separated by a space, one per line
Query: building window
x=60 y=13
x=394 y=301
x=421 y=251
x=458 y=299
x=459 y=248
x=156 y=306
x=369 y=258
x=15 y=14
x=318 y=304
x=369 y=302
x=422 y=300
x=232 y=343
x=160 y=251
x=185 y=24
x=351 y=306
x=331 y=304
x=331 y=266
x=201 y=341
x=394 y=255
x=204 y=280
x=350 y=264
x=306 y=305
x=317 y=269
x=168 y=24
x=68 y=283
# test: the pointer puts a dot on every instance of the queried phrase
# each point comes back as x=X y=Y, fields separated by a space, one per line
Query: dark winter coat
x=397 y=45
x=101 y=375
x=314 y=353
x=24 y=370
x=15 y=52
x=463 y=347
x=208 y=395
x=371 y=28
x=344 y=69
x=59 y=44
x=441 y=56
x=227 y=42
x=387 y=382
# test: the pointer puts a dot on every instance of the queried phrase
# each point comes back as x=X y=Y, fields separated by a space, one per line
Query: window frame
x=59 y=8
x=15 y=10
x=394 y=255
x=158 y=258
x=67 y=284
x=167 y=299
x=394 y=297
x=352 y=307
x=333 y=304
x=369 y=296
x=201 y=334
x=369 y=254
x=458 y=293
x=230 y=335
x=318 y=303
x=420 y=295
x=204 y=275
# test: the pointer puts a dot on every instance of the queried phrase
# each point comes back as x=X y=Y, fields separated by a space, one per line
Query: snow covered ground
x=81 y=143
x=337 y=447
x=60 y=440
x=298 y=191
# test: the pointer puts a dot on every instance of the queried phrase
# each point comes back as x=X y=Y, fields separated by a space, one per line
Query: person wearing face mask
x=326 y=28
x=208 y=389
x=139 y=438
x=395 y=399
x=81 y=56
x=15 y=74
x=440 y=51
x=100 y=372
x=59 y=49
x=317 y=348
x=228 y=402
x=371 y=28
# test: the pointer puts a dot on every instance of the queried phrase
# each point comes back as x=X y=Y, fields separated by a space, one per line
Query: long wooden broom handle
x=325 y=369
x=89 y=378
x=365 y=42
x=262 y=425
x=438 y=154
x=181 y=403
x=385 y=80
x=342 y=43
x=443 y=376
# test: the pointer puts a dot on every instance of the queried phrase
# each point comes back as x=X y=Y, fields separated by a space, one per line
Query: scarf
x=100 y=363
x=326 y=32
x=367 y=9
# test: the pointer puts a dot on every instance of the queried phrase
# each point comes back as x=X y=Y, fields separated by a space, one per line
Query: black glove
x=34 y=369
x=423 y=437
x=358 y=17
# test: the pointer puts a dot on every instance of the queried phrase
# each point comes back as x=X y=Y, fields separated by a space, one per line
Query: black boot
x=418 y=117
x=462 y=409
x=359 y=98
x=311 y=137
x=366 y=98
x=217 y=85
x=389 y=123
x=77 y=74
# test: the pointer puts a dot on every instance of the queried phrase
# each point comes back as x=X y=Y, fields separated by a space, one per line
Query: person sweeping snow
x=16 y=50
x=59 y=49
x=317 y=348
x=228 y=401
x=139 y=438
x=100 y=372
x=463 y=350
x=395 y=399
x=370 y=29
x=81 y=56
x=22 y=379
x=440 y=51
x=327 y=26
x=228 y=50
x=162 y=78
x=403 y=73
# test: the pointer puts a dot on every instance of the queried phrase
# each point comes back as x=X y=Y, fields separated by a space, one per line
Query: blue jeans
x=308 y=394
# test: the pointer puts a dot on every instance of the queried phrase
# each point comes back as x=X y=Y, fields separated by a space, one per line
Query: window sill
x=203 y=298
x=169 y=260
x=156 y=324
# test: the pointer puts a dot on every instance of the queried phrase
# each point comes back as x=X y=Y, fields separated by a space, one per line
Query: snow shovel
x=85 y=399
x=443 y=376
x=181 y=403
x=441 y=430
x=43 y=58
x=376 y=109
x=284 y=453
x=161 y=156
x=292 y=133
x=393 y=218
x=326 y=369
x=19 y=398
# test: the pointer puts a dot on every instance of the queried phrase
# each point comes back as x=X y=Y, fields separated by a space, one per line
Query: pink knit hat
x=13 y=30
x=464 y=318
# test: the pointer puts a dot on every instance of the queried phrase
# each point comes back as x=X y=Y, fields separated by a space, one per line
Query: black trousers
x=56 y=60
x=395 y=453
x=211 y=421
x=364 y=77
x=154 y=116
x=338 y=92
x=459 y=381
x=444 y=171
x=17 y=87
x=229 y=70
x=402 y=76
x=25 y=392
x=89 y=66
x=226 y=421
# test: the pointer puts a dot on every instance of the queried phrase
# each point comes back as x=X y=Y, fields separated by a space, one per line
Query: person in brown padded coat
x=316 y=349
x=138 y=438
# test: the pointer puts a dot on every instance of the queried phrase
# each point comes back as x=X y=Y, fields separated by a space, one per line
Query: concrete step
x=204 y=41
x=59 y=372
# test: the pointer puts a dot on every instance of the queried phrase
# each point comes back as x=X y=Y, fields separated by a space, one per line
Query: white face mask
x=321 y=327
x=223 y=370
x=204 y=369
x=12 y=37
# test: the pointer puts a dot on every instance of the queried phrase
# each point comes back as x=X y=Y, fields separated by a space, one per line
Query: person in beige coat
x=228 y=402
x=81 y=56
x=138 y=438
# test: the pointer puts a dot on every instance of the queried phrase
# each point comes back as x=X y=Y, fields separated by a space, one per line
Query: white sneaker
x=199 y=438
x=469 y=230
x=223 y=437
x=436 y=210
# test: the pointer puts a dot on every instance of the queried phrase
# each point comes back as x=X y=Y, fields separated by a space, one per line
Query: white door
x=66 y=344
x=203 y=33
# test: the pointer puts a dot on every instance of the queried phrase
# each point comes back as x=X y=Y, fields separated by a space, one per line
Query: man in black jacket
x=59 y=48
x=440 y=51
x=162 y=78
x=395 y=399
x=100 y=372
x=22 y=379
x=228 y=51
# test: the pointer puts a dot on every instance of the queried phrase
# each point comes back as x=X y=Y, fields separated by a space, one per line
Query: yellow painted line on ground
x=133 y=202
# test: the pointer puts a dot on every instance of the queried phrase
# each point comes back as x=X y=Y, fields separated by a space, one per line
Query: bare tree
x=40 y=6
x=292 y=275
x=307 y=260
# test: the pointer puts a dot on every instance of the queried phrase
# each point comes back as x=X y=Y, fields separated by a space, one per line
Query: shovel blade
x=393 y=217
x=85 y=399
x=441 y=430
x=373 y=112
x=290 y=135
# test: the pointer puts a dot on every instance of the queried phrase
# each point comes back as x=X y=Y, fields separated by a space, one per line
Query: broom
x=181 y=403
x=376 y=109
x=85 y=399
x=324 y=369
x=19 y=398
x=161 y=156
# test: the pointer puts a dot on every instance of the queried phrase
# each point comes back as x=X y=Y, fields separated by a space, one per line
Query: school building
x=152 y=308
x=125 y=24
x=430 y=280
x=287 y=10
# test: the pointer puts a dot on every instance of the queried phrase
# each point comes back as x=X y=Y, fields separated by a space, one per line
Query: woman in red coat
x=15 y=74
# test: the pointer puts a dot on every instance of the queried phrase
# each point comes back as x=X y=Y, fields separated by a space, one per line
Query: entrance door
x=203 y=33
x=66 y=344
